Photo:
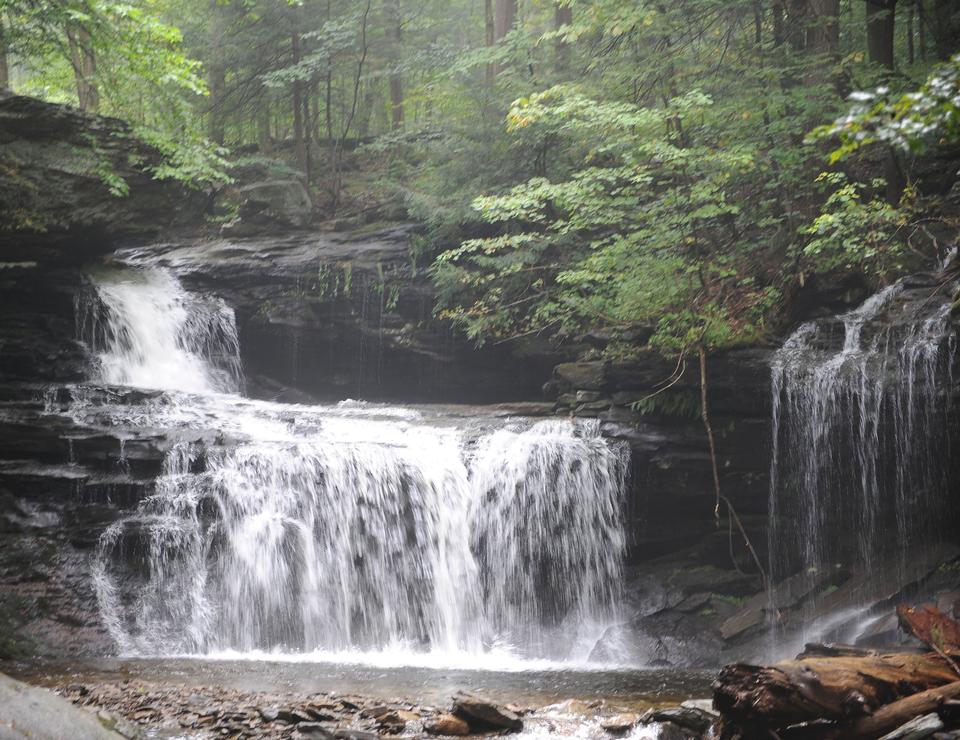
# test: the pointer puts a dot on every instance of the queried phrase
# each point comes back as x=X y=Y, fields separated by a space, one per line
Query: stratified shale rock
x=58 y=166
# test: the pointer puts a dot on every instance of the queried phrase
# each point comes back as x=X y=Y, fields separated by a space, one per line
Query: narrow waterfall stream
x=860 y=456
x=355 y=531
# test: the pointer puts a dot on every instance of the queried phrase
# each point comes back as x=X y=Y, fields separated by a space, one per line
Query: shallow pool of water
x=637 y=689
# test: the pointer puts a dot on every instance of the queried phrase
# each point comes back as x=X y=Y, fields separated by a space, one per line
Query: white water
x=348 y=533
x=859 y=452
x=148 y=332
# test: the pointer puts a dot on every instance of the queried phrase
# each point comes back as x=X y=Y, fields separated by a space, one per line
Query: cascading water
x=860 y=447
x=346 y=529
x=148 y=332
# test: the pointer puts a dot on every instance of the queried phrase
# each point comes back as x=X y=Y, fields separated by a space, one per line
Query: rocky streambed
x=246 y=699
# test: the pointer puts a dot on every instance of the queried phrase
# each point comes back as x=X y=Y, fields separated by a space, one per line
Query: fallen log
x=890 y=717
x=755 y=701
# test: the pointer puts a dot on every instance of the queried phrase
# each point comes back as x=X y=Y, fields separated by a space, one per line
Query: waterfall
x=348 y=529
x=148 y=332
x=860 y=448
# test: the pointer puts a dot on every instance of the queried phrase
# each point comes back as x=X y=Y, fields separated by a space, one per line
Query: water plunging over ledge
x=351 y=531
x=860 y=463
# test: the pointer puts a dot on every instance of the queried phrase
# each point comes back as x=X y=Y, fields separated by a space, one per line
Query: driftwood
x=758 y=701
x=842 y=692
x=890 y=717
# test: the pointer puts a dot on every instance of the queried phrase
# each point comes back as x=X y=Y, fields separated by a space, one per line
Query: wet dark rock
x=669 y=638
x=689 y=718
x=670 y=731
x=482 y=714
x=334 y=315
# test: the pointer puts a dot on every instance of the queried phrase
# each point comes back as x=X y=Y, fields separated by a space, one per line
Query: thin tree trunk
x=299 y=145
x=491 y=38
x=336 y=144
x=84 y=62
x=757 y=22
x=922 y=25
x=218 y=73
x=504 y=17
x=910 y=49
x=305 y=123
x=264 y=140
x=705 y=416
x=945 y=24
x=779 y=22
x=881 y=23
x=4 y=68
x=562 y=16
x=396 y=78
x=824 y=35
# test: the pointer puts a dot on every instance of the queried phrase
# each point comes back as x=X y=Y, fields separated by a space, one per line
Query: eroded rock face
x=59 y=165
x=62 y=484
x=339 y=315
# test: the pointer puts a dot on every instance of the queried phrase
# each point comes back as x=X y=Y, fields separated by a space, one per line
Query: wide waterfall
x=860 y=458
x=348 y=529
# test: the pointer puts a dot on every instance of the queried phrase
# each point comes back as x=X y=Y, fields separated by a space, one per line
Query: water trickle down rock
x=859 y=471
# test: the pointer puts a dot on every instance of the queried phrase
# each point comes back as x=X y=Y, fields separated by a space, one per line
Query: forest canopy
x=661 y=173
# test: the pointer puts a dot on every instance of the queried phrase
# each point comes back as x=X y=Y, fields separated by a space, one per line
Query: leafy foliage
x=651 y=182
x=910 y=122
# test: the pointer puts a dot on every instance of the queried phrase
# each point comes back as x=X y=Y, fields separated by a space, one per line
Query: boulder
x=688 y=717
x=481 y=714
x=576 y=376
x=620 y=724
x=270 y=205
x=447 y=724
x=27 y=711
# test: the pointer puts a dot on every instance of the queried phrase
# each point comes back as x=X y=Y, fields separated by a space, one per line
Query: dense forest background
x=653 y=173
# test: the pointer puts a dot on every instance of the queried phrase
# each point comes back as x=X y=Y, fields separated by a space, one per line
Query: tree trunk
x=823 y=37
x=881 y=18
x=779 y=23
x=491 y=38
x=4 y=68
x=562 y=16
x=218 y=73
x=922 y=25
x=759 y=700
x=264 y=139
x=945 y=23
x=84 y=62
x=504 y=18
x=396 y=78
x=911 y=55
x=299 y=145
